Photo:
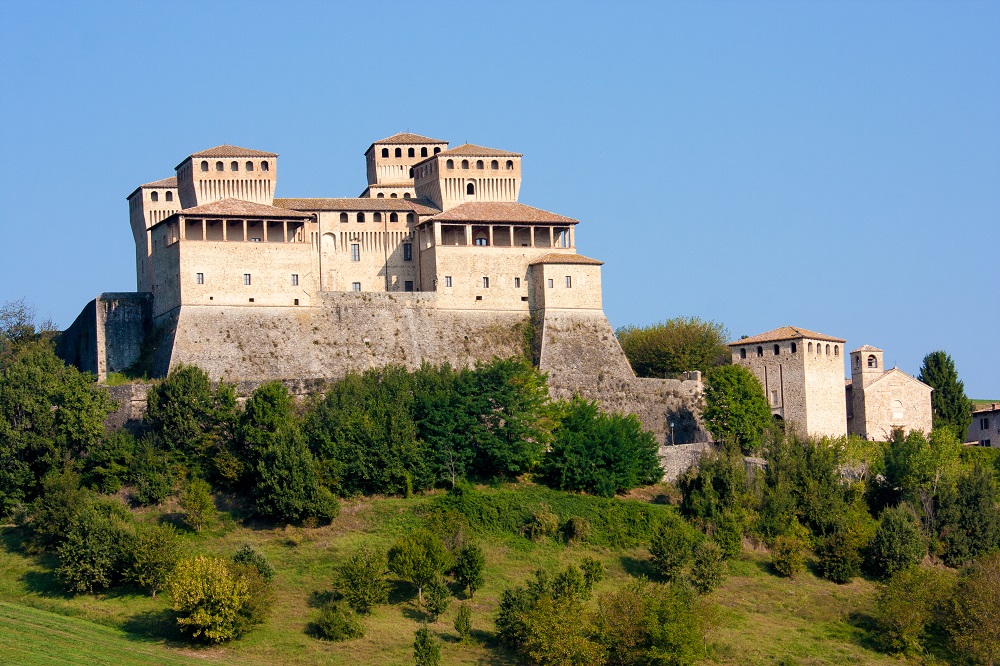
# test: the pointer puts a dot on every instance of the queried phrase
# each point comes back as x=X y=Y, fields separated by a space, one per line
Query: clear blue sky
x=828 y=165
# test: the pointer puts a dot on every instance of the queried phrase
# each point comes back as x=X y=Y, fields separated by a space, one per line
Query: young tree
x=438 y=598
x=897 y=544
x=671 y=347
x=787 y=555
x=196 y=504
x=362 y=580
x=708 y=570
x=975 y=612
x=736 y=409
x=470 y=565
x=95 y=549
x=337 y=622
x=839 y=560
x=213 y=598
x=463 y=622
x=426 y=648
x=949 y=404
x=671 y=547
x=907 y=604
x=249 y=556
x=419 y=559
x=968 y=519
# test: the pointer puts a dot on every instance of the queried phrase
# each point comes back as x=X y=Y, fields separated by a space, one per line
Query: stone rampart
x=107 y=335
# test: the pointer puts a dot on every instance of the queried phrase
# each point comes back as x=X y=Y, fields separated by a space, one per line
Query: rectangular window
x=246 y=278
x=295 y=279
x=774 y=398
x=569 y=282
x=408 y=285
x=355 y=286
x=447 y=280
x=486 y=282
x=355 y=252
x=984 y=423
x=550 y=283
x=407 y=252
x=199 y=278
x=517 y=283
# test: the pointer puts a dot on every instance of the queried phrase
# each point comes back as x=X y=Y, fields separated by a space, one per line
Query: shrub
x=151 y=477
x=839 y=560
x=787 y=555
x=709 y=568
x=671 y=547
x=437 y=599
x=426 y=648
x=975 y=611
x=95 y=549
x=108 y=465
x=470 y=568
x=288 y=487
x=463 y=622
x=55 y=509
x=897 y=544
x=362 y=580
x=419 y=559
x=577 y=529
x=541 y=524
x=906 y=604
x=593 y=572
x=729 y=535
x=196 y=504
x=569 y=583
x=154 y=554
x=676 y=635
x=215 y=601
x=558 y=631
x=337 y=622
x=249 y=556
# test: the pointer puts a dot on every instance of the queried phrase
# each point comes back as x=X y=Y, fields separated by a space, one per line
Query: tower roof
x=241 y=208
x=472 y=150
x=867 y=348
x=406 y=137
x=785 y=333
x=164 y=182
x=500 y=211
x=564 y=258
x=225 y=150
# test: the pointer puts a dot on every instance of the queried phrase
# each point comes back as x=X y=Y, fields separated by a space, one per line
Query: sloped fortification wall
x=580 y=352
x=107 y=335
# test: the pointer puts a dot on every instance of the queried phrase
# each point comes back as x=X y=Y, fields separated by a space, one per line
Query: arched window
x=410 y=153
x=343 y=217
x=393 y=217
x=393 y=196
x=406 y=195
x=777 y=349
x=760 y=351
x=411 y=172
x=836 y=350
x=510 y=164
x=154 y=196
x=380 y=195
x=494 y=164
x=828 y=350
x=378 y=217
x=465 y=164
x=249 y=166
x=410 y=218
x=470 y=189
x=170 y=196
x=450 y=164
x=204 y=165
x=794 y=348
x=479 y=164
x=810 y=348
x=361 y=217
x=385 y=152
x=423 y=152
x=219 y=166
x=437 y=150
x=857 y=361
x=399 y=152
x=234 y=166
x=743 y=352
x=264 y=166
x=872 y=361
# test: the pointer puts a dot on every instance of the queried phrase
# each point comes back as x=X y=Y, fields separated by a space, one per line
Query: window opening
x=343 y=217
x=204 y=165
x=447 y=280
x=393 y=217
x=154 y=196
x=743 y=352
x=760 y=351
x=249 y=166
x=470 y=189
x=219 y=167
x=408 y=285
x=199 y=278
x=777 y=350
x=399 y=152
x=410 y=153
x=355 y=286
x=517 y=283
x=407 y=251
x=246 y=278
x=234 y=166
x=486 y=282
x=361 y=217
x=569 y=282
x=385 y=152
x=872 y=361
x=170 y=196
x=355 y=251
x=295 y=279
x=264 y=166
x=423 y=152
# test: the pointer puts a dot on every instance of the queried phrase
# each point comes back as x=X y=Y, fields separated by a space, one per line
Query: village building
x=882 y=402
x=985 y=427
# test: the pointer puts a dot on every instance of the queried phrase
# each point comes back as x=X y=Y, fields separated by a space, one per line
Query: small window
x=295 y=279
x=517 y=283
x=410 y=218
x=437 y=150
x=296 y=301
x=569 y=282
x=423 y=152
x=482 y=241
x=361 y=217
x=777 y=350
x=246 y=278
x=872 y=361
x=406 y=195
x=447 y=280
x=393 y=196
x=479 y=298
x=343 y=217
x=743 y=352
x=407 y=251
x=234 y=166
x=378 y=217
x=204 y=165
x=794 y=348
x=393 y=217
x=760 y=351
x=486 y=282
x=411 y=173
x=551 y=283
x=251 y=300
x=399 y=152
x=857 y=361
x=828 y=350
x=810 y=348
x=465 y=164
x=355 y=252
x=355 y=286
x=479 y=164
x=219 y=166
x=154 y=196
x=450 y=164
x=836 y=350
x=410 y=153
x=381 y=195
x=470 y=188
x=385 y=152
x=199 y=278
x=264 y=166
x=494 y=164
x=984 y=423
x=774 y=398
x=510 y=164
x=170 y=196
x=249 y=166
x=408 y=285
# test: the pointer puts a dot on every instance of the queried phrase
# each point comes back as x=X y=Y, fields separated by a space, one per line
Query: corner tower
x=468 y=173
x=147 y=205
x=390 y=163
x=227 y=172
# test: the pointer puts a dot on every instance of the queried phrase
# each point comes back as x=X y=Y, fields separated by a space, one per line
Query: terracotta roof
x=241 y=208
x=896 y=371
x=867 y=348
x=500 y=211
x=225 y=150
x=477 y=151
x=785 y=333
x=561 y=258
x=406 y=137
x=420 y=206
x=166 y=182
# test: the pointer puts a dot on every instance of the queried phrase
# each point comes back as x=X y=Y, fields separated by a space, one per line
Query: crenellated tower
x=147 y=205
x=468 y=173
x=390 y=164
x=227 y=172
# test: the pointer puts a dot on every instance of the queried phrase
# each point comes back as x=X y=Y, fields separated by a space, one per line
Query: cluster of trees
x=668 y=348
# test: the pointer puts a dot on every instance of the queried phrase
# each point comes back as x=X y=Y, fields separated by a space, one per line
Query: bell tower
x=866 y=365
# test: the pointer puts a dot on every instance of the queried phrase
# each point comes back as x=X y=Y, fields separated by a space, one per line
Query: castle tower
x=468 y=173
x=147 y=205
x=227 y=172
x=390 y=164
x=866 y=365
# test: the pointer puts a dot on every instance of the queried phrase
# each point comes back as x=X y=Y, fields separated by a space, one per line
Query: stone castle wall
x=107 y=335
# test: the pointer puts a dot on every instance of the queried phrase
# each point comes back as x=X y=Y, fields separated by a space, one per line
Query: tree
x=362 y=580
x=426 y=648
x=438 y=598
x=949 y=405
x=668 y=348
x=463 y=622
x=419 y=559
x=249 y=556
x=155 y=552
x=470 y=565
x=968 y=519
x=214 y=599
x=787 y=556
x=337 y=622
x=736 y=409
x=839 y=560
x=907 y=604
x=671 y=547
x=95 y=549
x=708 y=570
x=897 y=544
x=196 y=504
x=975 y=611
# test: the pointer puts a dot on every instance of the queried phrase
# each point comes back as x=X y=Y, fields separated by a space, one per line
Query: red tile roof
x=166 y=182
x=241 y=208
x=784 y=333
x=406 y=137
x=419 y=206
x=225 y=150
x=561 y=258
x=470 y=150
x=867 y=348
x=500 y=211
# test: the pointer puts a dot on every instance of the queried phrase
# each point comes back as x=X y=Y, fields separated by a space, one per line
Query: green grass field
x=755 y=618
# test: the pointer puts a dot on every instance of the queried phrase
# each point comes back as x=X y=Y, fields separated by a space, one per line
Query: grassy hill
x=755 y=618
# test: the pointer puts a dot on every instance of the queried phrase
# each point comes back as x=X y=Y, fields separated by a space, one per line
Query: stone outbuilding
x=985 y=427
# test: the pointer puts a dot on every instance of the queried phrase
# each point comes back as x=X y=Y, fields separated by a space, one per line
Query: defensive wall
x=108 y=334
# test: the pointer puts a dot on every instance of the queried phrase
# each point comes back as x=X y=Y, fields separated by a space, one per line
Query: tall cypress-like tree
x=949 y=404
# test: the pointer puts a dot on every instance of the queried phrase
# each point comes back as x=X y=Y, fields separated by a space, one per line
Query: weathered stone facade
x=985 y=427
x=881 y=402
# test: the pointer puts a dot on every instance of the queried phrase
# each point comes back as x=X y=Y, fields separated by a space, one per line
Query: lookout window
x=295 y=279
x=199 y=278
x=234 y=166
x=170 y=196
x=743 y=352
x=760 y=351
x=872 y=361
x=343 y=217
x=517 y=283
x=494 y=164
x=777 y=350
x=447 y=280
x=437 y=150
x=810 y=348
x=450 y=164
x=204 y=165
x=381 y=195
x=423 y=152
x=510 y=164
x=264 y=166
x=794 y=348
x=154 y=196
x=569 y=282
x=479 y=164
x=219 y=166
x=385 y=152
x=378 y=217
x=393 y=217
x=410 y=218
x=361 y=217
x=407 y=251
x=465 y=164
x=399 y=152
x=836 y=350
x=249 y=166
x=410 y=153
x=828 y=350
x=486 y=282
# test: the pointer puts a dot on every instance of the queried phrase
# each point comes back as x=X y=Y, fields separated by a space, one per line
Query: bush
x=288 y=487
x=975 y=611
x=541 y=524
x=249 y=556
x=151 y=477
x=470 y=568
x=426 y=648
x=95 y=551
x=787 y=555
x=337 y=622
x=593 y=572
x=897 y=544
x=709 y=568
x=196 y=504
x=419 y=559
x=214 y=600
x=55 y=509
x=463 y=622
x=437 y=599
x=577 y=529
x=671 y=547
x=155 y=552
x=839 y=560
x=906 y=605
x=729 y=535
x=362 y=580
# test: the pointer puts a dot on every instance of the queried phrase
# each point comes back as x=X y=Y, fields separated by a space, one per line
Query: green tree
x=967 y=518
x=787 y=555
x=470 y=566
x=949 y=404
x=708 y=570
x=155 y=552
x=94 y=552
x=839 y=560
x=671 y=547
x=668 y=348
x=108 y=465
x=56 y=507
x=196 y=504
x=907 y=605
x=557 y=631
x=362 y=579
x=426 y=648
x=337 y=622
x=249 y=556
x=463 y=622
x=736 y=409
x=438 y=598
x=419 y=558
x=897 y=544
x=975 y=611
x=214 y=600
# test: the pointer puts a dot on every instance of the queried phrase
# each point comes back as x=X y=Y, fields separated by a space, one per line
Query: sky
x=833 y=166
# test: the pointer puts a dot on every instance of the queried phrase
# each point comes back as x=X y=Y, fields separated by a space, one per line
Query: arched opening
x=898 y=413
x=406 y=195
x=794 y=348
x=380 y=195
x=423 y=152
x=836 y=350
x=234 y=166
x=393 y=217
x=361 y=217
x=743 y=352
x=857 y=361
x=393 y=196
x=470 y=189
x=264 y=166
x=479 y=164
x=494 y=164
x=437 y=150
x=154 y=196
x=760 y=351
x=810 y=348
x=450 y=164
x=385 y=152
x=411 y=173
x=249 y=166
x=828 y=350
x=170 y=196
x=343 y=217
x=872 y=361
x=219 y=166
x=410 y=219
x=399 y=152
x=204 y=165
x=378 y=217
x=410 y=153
x=465 y=164
x=777 y=349
x=510 y=164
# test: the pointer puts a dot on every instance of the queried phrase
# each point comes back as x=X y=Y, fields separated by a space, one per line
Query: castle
x=436 y=261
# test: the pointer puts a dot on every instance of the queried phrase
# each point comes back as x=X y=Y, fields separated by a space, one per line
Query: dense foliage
x=668 y=348
x=736 y=409
x=949 y=404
